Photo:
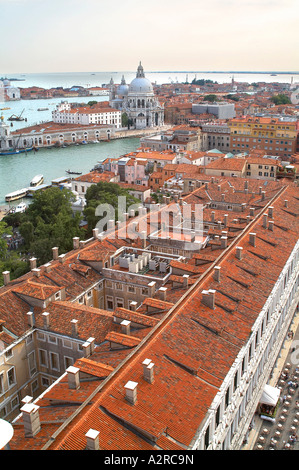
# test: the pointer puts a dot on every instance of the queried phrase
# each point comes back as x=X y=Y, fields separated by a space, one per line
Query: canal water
x=16 y=171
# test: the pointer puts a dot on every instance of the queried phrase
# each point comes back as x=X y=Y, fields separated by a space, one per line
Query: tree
x=280 y=99
x=124 y=120
x=212 y=98
x=9 y=260
x=49 y=221
x=104 y=193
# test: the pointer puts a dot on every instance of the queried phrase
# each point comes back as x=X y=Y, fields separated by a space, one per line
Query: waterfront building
x=95 y=114
x=126 y=330
x=245 y=166
x=49 y=134
x=277 y=136
x=137 y=101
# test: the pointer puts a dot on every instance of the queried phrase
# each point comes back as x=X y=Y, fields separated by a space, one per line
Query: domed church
x=138 y=101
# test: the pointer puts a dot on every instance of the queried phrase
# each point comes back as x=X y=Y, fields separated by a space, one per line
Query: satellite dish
x=6 y=433
x=295 y=96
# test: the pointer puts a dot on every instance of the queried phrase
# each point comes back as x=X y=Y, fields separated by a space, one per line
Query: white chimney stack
x=55 y=252
x=74 y=327
x=6 y=277
x=239 y=250
x=208 y=298
x=92 y=440
x=46 y=317
x=125 y=327
x=148 y=370
x=76 y=243
x=217 y=273
x=252 y=238
x=131 y=392
x=31 y=419
x=32 y=263
x=73 y=377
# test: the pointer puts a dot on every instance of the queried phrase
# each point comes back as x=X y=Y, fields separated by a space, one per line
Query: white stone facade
x=138 y=101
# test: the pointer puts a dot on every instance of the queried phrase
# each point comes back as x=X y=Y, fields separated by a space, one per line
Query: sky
x=39 y=36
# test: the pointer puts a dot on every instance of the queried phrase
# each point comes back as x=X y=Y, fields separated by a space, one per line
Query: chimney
x=46 y=317
x=271 y=225
x=55 y=253
x=208 y=298
x=151 y=287
x=133 y=305
x=239 y=250
x=6 y=277
x=185 y=280
x=217 y=273
x=95 y=233
x=36 y=272
x=222 y=197
x=91 y=341
x=223 y=242
x=265 y=220
x=86 y=349
x=31 y=319
x=27 y=399
x=143 y=239
x=32 y=263
x=246 y=185
x=225 y=220
x=47 y=267
x=286 y=203
x=148 y=370
x=270 y=211
x=92 y=440
x=31 y=419
x=74 y=327
x=251 y=211
x=252 y=239
x=131 y=392
x=61 y=258
x=213 y=216
x=76 y=243
x=162 y=293
x=125 y=327
x=73 y=377
x=263 y=195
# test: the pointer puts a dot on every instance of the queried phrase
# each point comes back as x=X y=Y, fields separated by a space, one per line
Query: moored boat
x=16 y=151
x=16 y=195
x=21 y=207
x=38 y=179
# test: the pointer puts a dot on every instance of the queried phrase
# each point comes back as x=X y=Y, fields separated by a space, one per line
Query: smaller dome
x=123 y=88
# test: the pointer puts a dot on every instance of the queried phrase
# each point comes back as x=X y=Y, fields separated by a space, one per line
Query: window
x=119 y=302
x=52 y=339
x=11 y=377
x=45 y=382
x=68 y=361
x=109 y=301
x=43 y=357
x=131 y=289
x=54 y=361
x=32 y=363
x=1 y=384
x=67 y=344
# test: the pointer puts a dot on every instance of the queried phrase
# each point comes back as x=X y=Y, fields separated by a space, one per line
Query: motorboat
x=37 y=180
x=20 y=207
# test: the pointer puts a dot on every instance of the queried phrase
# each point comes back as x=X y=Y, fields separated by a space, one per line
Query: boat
x=17 y=151
x=38 y=179
x=42 y=109
x=69 y=172
x=20 y=208
x=16 y=195
x=3 y=109
x=14 y=117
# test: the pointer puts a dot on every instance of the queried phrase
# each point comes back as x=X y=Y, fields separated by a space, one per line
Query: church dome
x=140 y=84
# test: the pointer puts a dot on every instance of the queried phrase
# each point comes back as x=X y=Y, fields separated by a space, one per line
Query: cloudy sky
x=102 y=35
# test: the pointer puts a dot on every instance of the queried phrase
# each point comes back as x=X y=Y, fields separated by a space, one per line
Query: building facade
x=274 y=136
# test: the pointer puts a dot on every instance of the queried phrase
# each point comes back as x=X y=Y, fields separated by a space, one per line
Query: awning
x=270 y=395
